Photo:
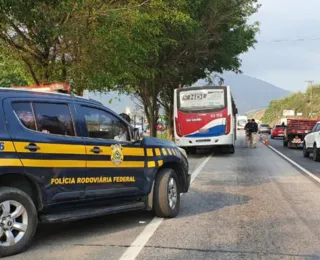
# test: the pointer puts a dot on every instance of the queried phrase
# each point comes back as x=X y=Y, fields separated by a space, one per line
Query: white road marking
x=295 y=164
x=138 y=244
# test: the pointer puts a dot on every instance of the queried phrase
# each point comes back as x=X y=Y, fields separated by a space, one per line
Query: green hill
x=256 y=114
x=306 y=103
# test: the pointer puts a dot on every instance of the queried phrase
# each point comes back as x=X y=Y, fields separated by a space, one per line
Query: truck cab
x=296 y=131
x=65 y=158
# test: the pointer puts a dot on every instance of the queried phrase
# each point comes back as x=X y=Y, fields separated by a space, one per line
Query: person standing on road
x=254 y=133
x=248 y=128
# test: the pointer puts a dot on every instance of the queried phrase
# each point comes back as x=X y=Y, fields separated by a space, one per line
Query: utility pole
x=310 y=82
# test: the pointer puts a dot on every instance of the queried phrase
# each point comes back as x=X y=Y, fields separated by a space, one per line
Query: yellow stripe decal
x=52 y=148
x=71 y=149
x=54 y=163
x=149 y=152
x=160 y=163
x=151 y=164
x=158 y=152
x=169 y=151
x=133 y=151
x=174 y=151
x=108 y=164
x=10 y=162
x=164 y=152
x=106 y=150
x=7 y=146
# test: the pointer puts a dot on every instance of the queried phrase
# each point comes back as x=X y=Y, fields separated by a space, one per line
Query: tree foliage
x=305 y=103
x=12 y=72
x=142 y=47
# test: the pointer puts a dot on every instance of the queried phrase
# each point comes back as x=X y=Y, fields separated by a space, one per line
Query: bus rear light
x=228 y=125
x=178 y=128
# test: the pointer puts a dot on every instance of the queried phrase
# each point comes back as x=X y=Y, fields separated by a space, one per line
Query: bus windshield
x=202 y=100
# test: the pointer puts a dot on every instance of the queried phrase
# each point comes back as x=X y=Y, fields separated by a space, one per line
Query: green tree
x=58 y=40
x=218 y=35
x=12 y=72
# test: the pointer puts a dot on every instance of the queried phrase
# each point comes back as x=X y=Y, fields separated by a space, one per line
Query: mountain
x=249 y=94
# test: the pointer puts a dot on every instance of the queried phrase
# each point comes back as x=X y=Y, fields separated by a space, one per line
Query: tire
x=17 y=198
x=306 y=154
x=272 y=137
x=315 y=154
x=161 y=203
x=285 y=143
x=191 y=150
x=231 y=149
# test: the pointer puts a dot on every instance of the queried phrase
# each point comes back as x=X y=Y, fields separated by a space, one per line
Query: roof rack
x=54 y=87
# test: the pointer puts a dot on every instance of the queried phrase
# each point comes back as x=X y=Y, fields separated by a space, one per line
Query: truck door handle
x=96 y=150
x=32 y=147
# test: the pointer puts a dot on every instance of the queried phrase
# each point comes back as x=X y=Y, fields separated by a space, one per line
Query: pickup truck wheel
x=18 y=221
x=166 y=194
x=306 y=154
x=315 y=154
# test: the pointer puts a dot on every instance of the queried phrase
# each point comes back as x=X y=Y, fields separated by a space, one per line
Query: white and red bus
x=204 y=116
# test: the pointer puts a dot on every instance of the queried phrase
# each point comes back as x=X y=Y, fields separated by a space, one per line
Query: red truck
x=296 y=130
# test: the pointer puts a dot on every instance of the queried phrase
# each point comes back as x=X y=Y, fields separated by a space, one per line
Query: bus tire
x=231 y=149
x=191 y=150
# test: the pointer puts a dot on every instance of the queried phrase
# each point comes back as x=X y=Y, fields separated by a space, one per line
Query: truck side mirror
x=135 y=134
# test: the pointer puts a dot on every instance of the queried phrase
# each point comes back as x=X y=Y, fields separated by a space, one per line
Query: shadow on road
x=48 y=234
x=198 y=201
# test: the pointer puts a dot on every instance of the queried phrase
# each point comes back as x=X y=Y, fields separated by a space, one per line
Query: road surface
x=296 y=155
x=249 y=205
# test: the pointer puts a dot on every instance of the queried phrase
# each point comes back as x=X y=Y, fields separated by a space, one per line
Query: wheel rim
x=172 y=193
x=13 y=222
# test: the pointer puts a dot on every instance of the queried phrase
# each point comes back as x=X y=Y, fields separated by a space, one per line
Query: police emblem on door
x=116 y=154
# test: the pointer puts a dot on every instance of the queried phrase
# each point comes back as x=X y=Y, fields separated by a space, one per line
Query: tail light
x=228 y=125
x=178 y=128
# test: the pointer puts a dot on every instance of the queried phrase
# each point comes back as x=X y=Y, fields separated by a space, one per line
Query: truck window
x=54 y=119
x=24 y=113
x=101 y=124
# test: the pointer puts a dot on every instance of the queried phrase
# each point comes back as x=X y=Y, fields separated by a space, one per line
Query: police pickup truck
x=65 y=158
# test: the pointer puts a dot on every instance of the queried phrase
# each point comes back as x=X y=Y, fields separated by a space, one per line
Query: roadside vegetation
x=145 y=48
x=306 y=103
x=256 y=114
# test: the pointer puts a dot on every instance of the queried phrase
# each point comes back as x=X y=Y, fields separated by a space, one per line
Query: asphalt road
x=296 y=155
x=249 y=205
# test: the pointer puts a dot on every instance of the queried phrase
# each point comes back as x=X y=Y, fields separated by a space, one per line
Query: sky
x=278 y=57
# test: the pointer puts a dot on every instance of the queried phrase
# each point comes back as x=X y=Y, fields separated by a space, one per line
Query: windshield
x=242 y=122
x=202 y=100
x=264 y=125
